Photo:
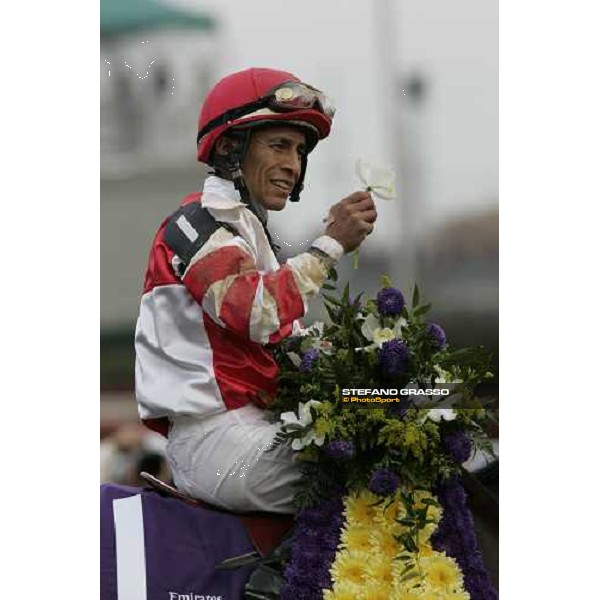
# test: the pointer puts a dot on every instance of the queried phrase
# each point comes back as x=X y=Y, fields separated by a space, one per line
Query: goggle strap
x=230 y=115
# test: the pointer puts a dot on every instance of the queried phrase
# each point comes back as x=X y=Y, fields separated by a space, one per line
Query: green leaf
x=331 y=311
x=422 y=310
x=409 y=576
x=416 y=296
x=386 y=282
x=346 y=294
x=429 y=501
x=331 y=299
x=409 y=543
x=381 y=501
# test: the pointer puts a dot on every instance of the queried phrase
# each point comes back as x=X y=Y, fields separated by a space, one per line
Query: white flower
x=445 y=376
x=295 y=358
x=324 y=346
x=379 y=335
x=291 y=422
x=377 y=180
x=442 y=376
x=316 y=329
x=307 y=440
x=439 y=414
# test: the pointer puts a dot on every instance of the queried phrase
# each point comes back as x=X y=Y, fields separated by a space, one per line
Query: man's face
x=272 y=164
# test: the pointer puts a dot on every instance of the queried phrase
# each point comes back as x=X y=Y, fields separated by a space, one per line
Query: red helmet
x=261 y=95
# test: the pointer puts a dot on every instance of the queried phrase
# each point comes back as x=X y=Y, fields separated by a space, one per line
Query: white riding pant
x=222 y=459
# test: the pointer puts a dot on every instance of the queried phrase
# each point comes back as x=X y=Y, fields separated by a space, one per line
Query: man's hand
x=351 y=220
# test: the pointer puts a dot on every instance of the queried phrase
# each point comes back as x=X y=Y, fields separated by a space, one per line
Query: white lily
x=292 y=422
x=439 y=414
x=377 y=180
x=316 y=329
x=295 y=358
x=379 y=335
x=324 y=346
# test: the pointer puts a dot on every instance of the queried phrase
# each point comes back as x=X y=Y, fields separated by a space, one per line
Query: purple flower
x=308 y=360
x=316 y=537
x=356 y=303
x=458 y=445
x=340 y=451
x=455 y=535
x=437 y=333
x=316 y=515
x=384 y=482
x=390 y=302
x=393 y=357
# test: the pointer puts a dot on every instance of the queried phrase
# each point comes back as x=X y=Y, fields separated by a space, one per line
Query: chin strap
x=295 y=195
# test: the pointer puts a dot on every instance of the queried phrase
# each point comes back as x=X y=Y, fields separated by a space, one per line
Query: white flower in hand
x=377 y=180
x=291 y=422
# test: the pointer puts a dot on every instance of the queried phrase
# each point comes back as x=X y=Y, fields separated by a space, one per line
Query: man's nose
x=293 y=163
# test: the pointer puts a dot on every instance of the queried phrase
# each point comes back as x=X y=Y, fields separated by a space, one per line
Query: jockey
x=215 y=297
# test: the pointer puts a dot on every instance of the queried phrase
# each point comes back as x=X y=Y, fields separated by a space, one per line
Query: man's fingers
x=356 y=197
x=370 y=216
x=369 y=228
x=362 y=205
x=356 y=208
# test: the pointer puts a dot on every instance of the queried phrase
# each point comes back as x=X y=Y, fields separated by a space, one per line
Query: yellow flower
x=342 y=590
x=388 y=514
x=380 y=569
x=323 y=426
x=359 y=508
x=411 y=436
x=377 y=592
x=385 y=543
x=415 y=594
x=434 y=511
x=357 y=538
x=427 y=595
x=425 y=549
x=442 y=572
x=456 y=596
x=349 y=567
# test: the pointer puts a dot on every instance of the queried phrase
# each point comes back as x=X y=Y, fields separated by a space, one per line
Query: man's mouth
x=283 y=184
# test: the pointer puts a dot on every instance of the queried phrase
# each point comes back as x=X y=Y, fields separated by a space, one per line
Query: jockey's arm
x=223 y=278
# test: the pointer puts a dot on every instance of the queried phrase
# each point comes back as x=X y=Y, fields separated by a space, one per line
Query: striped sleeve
x=223 y=278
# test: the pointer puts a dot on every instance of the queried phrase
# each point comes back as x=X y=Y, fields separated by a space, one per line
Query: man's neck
x=228 y=187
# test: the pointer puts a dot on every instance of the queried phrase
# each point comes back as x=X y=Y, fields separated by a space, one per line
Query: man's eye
x=277 y=146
